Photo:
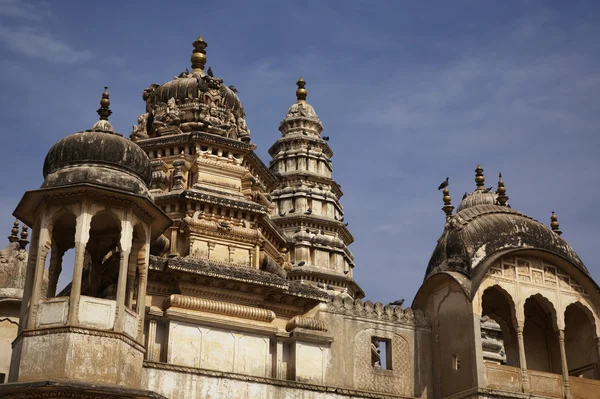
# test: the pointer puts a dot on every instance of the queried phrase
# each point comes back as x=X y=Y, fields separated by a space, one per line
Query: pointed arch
x=580 y=341
x=542 y=349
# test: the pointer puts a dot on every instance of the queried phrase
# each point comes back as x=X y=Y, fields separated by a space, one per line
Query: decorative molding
x=224 y=308
x=308 y=323
x=378 y=311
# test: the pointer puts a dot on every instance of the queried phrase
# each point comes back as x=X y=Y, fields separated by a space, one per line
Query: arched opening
x=135 y=264
x=582 y=354
x=498 y=333
x=101 y=260
x=542 y=350
x=62 y=240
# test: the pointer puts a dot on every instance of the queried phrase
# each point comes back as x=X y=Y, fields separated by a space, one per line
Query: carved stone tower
x=307 y=199
x=206 y=176
x=95 y=199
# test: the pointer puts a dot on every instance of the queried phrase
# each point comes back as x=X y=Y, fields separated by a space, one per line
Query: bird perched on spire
x=209 y=72
x=465 y=196
x=233 y=89
x=444 y=184
x=326 y=138
x=398 y=302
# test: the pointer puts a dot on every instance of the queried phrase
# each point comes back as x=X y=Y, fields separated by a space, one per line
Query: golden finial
x=104 y=110
x=23 y=241
x=447 y=208
x=479 y=178
x=301 y=93
x=199 y=55
x=14 y=237
x=501 y=191
x=554 y=223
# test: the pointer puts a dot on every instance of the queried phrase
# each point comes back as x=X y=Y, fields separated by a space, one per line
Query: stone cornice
x=272 y=381
x=72 y=390
x=378 y=311
x=308 y=323
x=162 y=141
x=84 y=331
x=276 y=147
x=223 y=201
x=308 y=220
x=224 y=308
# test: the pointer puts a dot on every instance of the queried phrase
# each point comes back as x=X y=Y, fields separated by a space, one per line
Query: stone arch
x=101 y=268
x=580 y=341
x=542 y=349
x=62 y=225
x=498 y=322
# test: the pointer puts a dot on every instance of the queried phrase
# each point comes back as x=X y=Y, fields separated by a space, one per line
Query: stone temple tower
x=95 y=199
x=307 y=199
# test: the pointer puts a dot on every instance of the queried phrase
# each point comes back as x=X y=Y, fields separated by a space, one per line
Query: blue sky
x=409 y=93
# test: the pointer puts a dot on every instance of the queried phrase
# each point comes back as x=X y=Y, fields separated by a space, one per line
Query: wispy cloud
x=24 y=10
x=38 y=43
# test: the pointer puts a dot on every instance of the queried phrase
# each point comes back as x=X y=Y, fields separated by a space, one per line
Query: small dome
x=193 y=101
x=301 y=117
x=477 y=197
x=98 y=156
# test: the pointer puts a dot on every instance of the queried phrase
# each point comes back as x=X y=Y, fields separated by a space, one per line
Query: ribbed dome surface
x=97 y=156
x=478 y=197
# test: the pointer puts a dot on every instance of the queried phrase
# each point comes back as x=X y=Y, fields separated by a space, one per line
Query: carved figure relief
x=140 y=130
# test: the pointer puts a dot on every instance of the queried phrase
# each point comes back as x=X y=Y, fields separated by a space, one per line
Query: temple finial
x=301 y=93
x=14 y=233
x=554 y=224
x=104 y=110
x=103 y=125
x=23 y=241
x=447 y=208
x=199 y=55
x=501 y=191
x=479 y=178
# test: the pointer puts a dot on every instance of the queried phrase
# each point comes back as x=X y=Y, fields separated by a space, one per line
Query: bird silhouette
x=326 y=138
x=301 y=263
x=292 y=210
x=233 y=89
x=341 y=219
x=209 y=72
x=308 y=211
x=465 y=196
x=346 y=224
x=281 y=213
x=307 y=230
x=487 y=190
x=444 y=184
x=397 y=302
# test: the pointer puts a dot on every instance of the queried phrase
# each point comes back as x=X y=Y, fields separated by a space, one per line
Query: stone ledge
x=274 y=382
x=72 y=390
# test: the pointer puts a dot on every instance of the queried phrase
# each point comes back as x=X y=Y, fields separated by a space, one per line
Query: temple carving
x=199 y=271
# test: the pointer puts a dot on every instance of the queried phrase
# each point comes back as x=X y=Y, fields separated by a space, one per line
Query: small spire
x=447 y=208
x=103 y=125
x=199 y=55
x=23 y=241
x=104 y=110
x=479 y=178
x=14 y=233
x=554 y=224
x=301 y=93
x=501 y=191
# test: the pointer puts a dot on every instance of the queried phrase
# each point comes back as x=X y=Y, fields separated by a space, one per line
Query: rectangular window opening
x=455 y=362
x=381 y=353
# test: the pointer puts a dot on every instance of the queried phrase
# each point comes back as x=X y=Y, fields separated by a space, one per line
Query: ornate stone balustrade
x=308 y=323
x=228 y=309
x=379 y=311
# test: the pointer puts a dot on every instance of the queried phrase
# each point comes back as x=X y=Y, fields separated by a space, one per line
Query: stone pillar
x=563 y=362
x=29 y=279
x=82 y=235
x=522 y=359
x=173 y=249
x=121 y=285
x=40 y=261
x=141 y=293
x=151 y=341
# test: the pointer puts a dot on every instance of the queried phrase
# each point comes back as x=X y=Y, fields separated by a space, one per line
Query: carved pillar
x=29 y=278
x=598 y=359
x=563 y=362
x=40 y=262
x=522 y=359
x=82 y=235
x=173 y=249
x=141 y=294
x=151 y=341
x=256 y=257
x=119 y=319
x=56 y=256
